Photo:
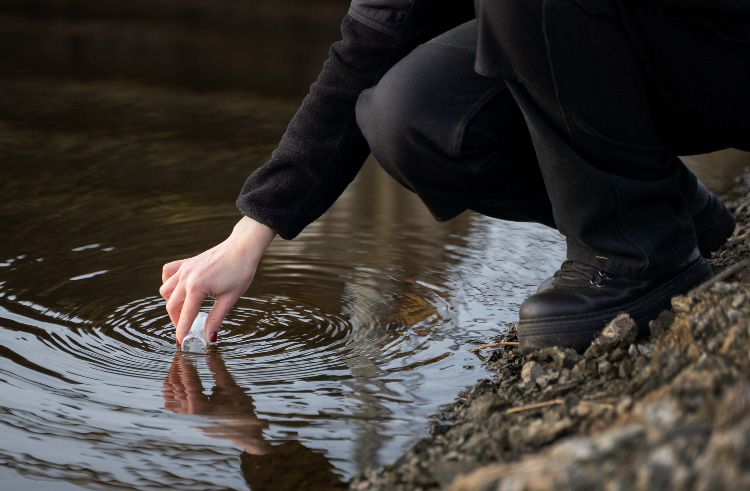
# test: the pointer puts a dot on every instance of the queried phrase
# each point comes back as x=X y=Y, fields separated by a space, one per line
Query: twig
x=492 y=345
x=720 y=277
x=534 y=406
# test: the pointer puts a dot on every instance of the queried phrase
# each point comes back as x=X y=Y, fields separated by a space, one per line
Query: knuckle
x=193 y=284
x=173 y=307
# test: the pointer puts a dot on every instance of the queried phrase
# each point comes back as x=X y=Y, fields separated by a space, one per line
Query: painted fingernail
x=177 y=341
x=212 y=337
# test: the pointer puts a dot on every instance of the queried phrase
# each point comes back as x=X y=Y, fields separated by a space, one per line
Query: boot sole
x=578 y=331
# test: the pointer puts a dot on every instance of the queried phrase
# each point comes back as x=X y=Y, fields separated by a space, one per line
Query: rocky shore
x=670 y=411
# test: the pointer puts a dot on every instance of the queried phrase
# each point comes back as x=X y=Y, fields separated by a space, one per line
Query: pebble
x=531 y=371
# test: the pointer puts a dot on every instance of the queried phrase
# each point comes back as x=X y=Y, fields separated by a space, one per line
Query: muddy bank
x=668 y=411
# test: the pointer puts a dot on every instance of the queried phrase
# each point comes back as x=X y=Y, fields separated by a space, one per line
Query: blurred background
x=269 y=46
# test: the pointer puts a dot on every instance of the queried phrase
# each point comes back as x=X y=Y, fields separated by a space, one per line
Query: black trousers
x=460 y=141
x=611 y=90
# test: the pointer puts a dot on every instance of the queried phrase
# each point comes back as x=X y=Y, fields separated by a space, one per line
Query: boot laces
x=576 y=270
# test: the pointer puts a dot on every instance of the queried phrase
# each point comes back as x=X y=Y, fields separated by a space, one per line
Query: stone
x=556 y=356
x=660 y=416
x=738 y=300
x=621 y=332
x=662 y=322
x=484 y=406
x=720 y=287
x=619 y=439
x=645 y=349
x=531 y=371
x=682 y=303
x=656 y=471
x=624 y=405
x=537 y=433
x=576 y=449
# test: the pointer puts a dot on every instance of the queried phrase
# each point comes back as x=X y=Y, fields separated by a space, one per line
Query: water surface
x=348 y=339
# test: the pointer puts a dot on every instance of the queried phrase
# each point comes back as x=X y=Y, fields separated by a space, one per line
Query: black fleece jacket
x=322 y=149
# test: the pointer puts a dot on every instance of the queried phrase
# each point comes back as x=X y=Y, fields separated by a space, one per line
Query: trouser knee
x=387 y=123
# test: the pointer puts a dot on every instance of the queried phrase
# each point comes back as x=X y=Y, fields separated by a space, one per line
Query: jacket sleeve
x=322 y=149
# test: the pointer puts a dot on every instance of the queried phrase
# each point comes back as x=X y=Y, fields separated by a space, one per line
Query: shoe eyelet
x=599 y=279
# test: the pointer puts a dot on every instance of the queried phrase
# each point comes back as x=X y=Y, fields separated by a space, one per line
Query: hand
x=223 y=272
x=228 y=402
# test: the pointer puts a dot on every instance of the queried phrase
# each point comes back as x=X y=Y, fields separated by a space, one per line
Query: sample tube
x=195 y=339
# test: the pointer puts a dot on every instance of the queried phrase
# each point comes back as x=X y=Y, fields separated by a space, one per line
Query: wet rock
x=555 y=357
x=531 y=371
x=621 y=332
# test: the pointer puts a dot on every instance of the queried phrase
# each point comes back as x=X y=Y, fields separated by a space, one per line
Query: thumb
x=217 y=314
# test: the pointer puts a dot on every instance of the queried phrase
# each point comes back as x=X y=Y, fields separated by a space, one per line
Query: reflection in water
x=288 y=466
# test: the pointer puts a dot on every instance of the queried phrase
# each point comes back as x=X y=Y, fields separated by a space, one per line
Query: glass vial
x=195 y=339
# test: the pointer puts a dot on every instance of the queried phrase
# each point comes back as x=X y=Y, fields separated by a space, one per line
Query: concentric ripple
x=348 y=339
x=339 y=358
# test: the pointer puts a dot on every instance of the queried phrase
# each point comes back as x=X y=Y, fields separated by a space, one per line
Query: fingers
x=174 y=395
x=217 y=314
x=190 y=308
x=222 y=377
x=170 y=269
x=175 y=303
x=168 y=287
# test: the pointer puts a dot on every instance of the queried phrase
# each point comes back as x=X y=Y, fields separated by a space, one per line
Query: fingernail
x=177 y=341
x=212 y=337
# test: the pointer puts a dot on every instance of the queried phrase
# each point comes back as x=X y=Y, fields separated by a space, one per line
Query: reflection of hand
x=183 y=393
x=223 y=272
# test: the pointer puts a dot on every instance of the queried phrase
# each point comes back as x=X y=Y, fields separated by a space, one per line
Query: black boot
x=713 y=223
x=581 y=299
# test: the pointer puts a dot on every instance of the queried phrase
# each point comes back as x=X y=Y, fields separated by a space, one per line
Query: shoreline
x=671 y=410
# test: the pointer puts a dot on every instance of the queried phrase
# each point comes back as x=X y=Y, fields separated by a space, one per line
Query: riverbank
x=669 y=411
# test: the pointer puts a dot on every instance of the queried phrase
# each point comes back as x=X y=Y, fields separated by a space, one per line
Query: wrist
x=252 y=236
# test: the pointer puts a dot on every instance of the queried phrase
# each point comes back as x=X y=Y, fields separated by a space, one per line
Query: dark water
x=349 y=338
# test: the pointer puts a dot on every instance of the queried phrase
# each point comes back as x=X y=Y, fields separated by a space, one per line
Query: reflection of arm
x=323 y=149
